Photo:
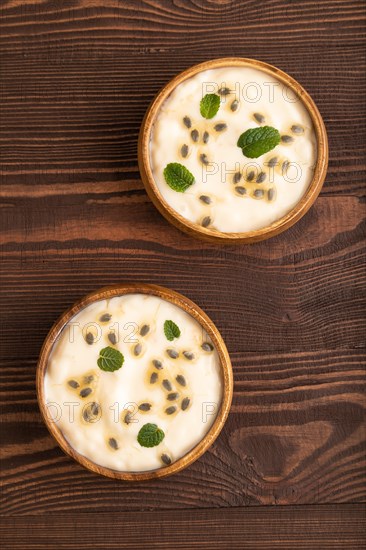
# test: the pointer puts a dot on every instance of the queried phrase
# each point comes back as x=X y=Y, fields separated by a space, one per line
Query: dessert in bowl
x=134 y=382
x=233 y=150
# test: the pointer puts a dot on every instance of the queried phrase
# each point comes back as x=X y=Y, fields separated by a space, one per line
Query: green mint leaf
x=209 y=105
x=257 y=141
x=178 y=177
x=110 y=359
x=171 y=330
x=150 y=435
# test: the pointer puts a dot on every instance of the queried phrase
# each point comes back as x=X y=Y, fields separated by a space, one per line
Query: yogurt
x=173 y=384
x=233 y=193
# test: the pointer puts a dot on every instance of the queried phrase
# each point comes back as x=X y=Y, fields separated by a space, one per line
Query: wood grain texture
x=76 y=79
x=303 y=527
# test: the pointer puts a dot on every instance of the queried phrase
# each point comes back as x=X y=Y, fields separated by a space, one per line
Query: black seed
x=287 y=139
x=259 y=193
x=166 y=459
x=297 y=129
x=220 y=127
x=113 y=443
x=89 y=378
x=259 y=118
x=90 y=412
x=128 y=418
x=241 y=190
x=250 y=176
x=112 y=338
x=205 y=137
x=206 y=346
x=204 y=159
x=185 y=403
x=86 y=417
x=172 y=396
x=105 y=318
x=157 y=364
x=206 y=221
x=173 y=354
x=153 y=377
x=237 y=177
x=224 y=91
x=234 y=106
x=145 y=406
x=137 y=349
x=271 y=193
x=170 y=410
x=205 y=199
x=285 y=167
x=181 y=380
x=273 y=161
x=184 y=150
x=73 y=384
x=144 y=330
x=89 y=338
x=94 y=407
x=167 y=384
x=85 y=392
x=187 y=122
x=261 y=177
x=188 y=355
x=195 y=135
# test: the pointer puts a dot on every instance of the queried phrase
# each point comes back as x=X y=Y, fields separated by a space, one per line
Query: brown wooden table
x=288 y=469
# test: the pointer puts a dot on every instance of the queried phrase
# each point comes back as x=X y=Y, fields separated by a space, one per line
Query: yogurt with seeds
x=133 y=382
x=232 y=192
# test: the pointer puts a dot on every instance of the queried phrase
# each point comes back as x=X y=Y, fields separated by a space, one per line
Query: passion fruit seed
x=105 y=318
x=181 y=380
x=185 y=403
x=259 y=118
x=187 y=122
x=206 y=346
x=144 y=330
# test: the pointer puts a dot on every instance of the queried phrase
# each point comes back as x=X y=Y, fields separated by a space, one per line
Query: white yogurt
x=74 y=361
x=256 y=92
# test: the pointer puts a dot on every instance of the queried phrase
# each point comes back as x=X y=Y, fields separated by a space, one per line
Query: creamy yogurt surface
x=230 y=192
x=101 y=413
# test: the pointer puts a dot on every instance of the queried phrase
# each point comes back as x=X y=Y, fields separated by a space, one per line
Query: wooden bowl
x=213 y=235
x=188 y=306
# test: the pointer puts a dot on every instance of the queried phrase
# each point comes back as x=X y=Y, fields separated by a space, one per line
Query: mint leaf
x=257 y=141
x=171 y=330
x=110 y=359
x=209 y=105
x=150 y=435
x=178 y=177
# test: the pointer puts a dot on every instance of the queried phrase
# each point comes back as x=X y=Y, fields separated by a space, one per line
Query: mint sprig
x=209 y=105
x=178 y=177
x=150 y=435
x=257 y=141
x=171 y=330
x=110 y=359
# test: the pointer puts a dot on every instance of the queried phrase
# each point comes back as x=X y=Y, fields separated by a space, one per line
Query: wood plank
x=76 y=79
x=266 y=528
x=300 y=290
x=295 y=435
x=59 y=115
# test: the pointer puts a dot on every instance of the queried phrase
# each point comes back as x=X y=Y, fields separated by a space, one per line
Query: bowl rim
x=278 y=226
x=199 y=315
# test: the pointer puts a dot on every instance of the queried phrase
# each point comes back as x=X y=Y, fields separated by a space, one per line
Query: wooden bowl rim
x=199 y=315
x=297 y=212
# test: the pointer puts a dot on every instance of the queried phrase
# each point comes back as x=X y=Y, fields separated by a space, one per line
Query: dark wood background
x=77 y=77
